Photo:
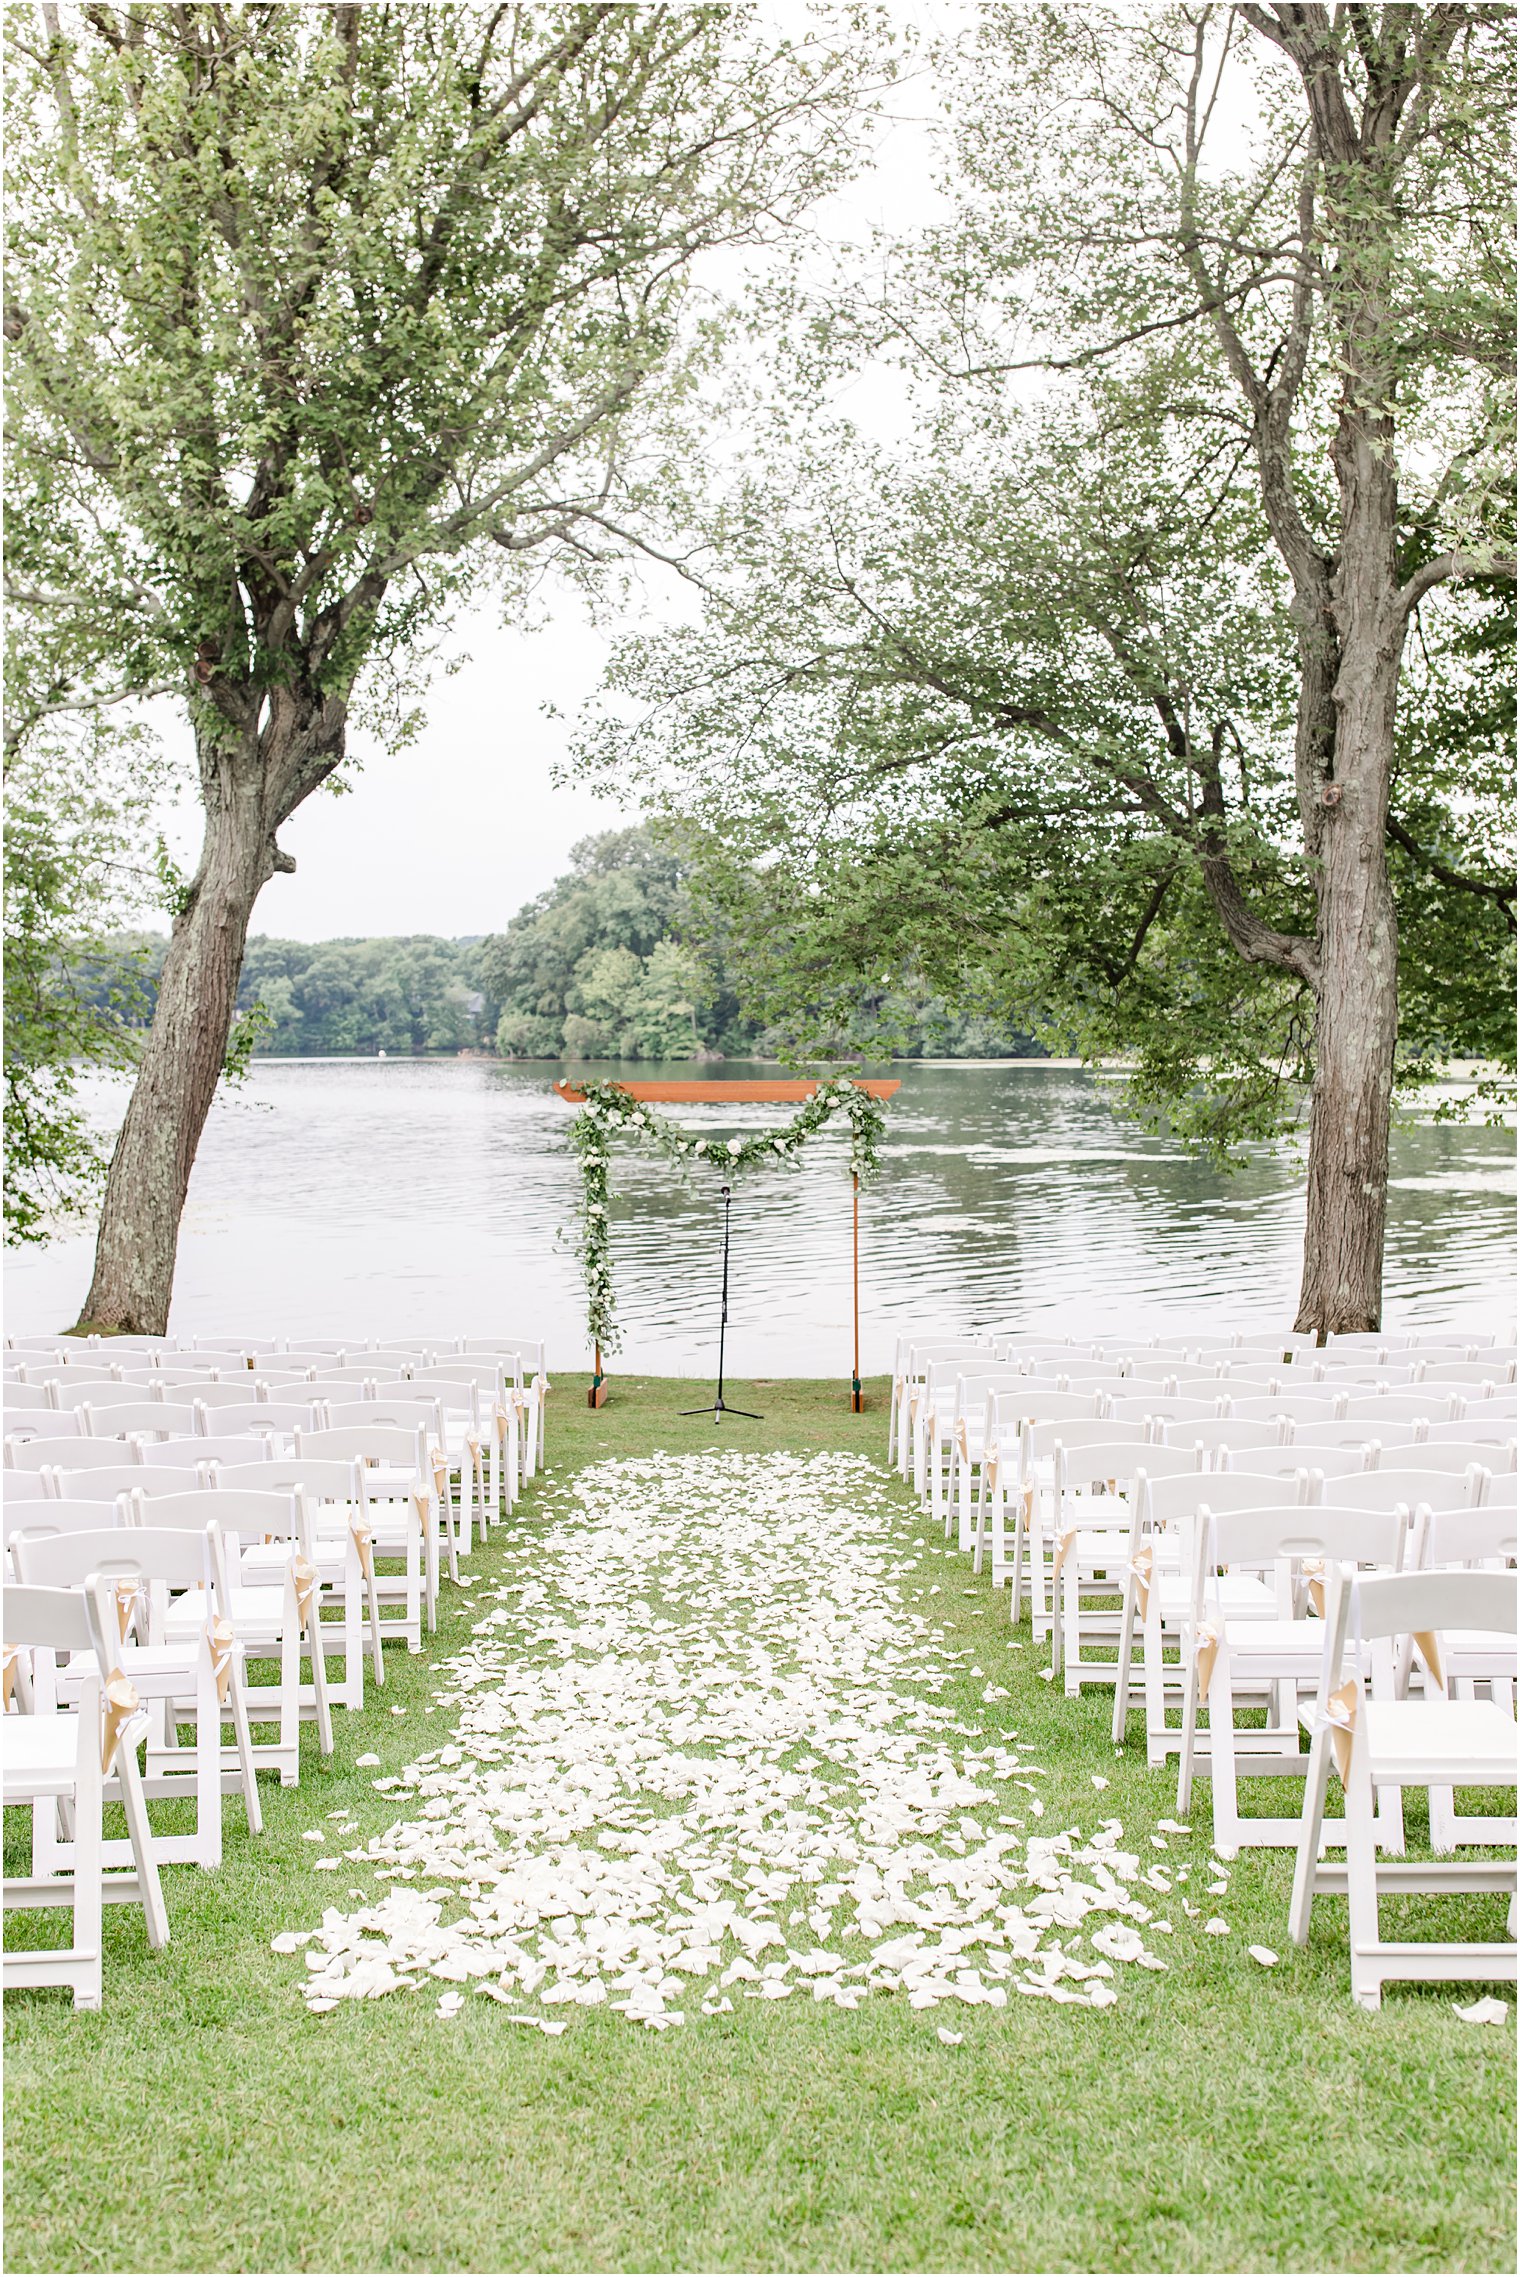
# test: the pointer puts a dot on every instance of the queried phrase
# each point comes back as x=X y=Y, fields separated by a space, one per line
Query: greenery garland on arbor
x=609 y=1109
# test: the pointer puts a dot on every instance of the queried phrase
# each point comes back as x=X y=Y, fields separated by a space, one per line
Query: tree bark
x=1346 y=829
x=186 y=1047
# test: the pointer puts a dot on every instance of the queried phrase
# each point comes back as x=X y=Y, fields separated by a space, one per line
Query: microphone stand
x=720 y=1406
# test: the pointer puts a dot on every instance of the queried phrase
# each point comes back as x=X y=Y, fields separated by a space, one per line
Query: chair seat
x=257 y=1615
x=41 y=1755
x=1101 y=1545
x=265 y=1564
x=1444 y=1741
x=1301 y=1643
x=1241 y=1596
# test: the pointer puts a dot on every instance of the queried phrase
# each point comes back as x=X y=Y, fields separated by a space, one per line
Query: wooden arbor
x=747 y=1094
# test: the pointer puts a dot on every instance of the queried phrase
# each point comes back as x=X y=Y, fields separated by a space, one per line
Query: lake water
x=400 y=1196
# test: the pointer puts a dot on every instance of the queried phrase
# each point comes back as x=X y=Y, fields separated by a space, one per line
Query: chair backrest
x=242 y=1347
x=406 y=1414
x=1423 y=1601
x=1224 y=1435
x=67 y=1378
x=349 y=1370
x=200 y=1391
x=275 y=1376
x=114 y=1478
x=191 y=1367
x=1497 y=1490
x=529 y=1351
x=1462 y=1537
x=1320 y=1530
x=1321 y=1406
x=483 y=1376
x=66 y=1454
x=240 y=1511
x=320 y=1357
x=1029 y=1402
x=1355 y=1432
x=1388 y=1489
x=1077 y=1466
x=1171 y=1500
x=148 y=1553
x=1287 y=1461
x=229 y=1446
x=34 y=1517
x=1080 y=1373
x=1428 y=1406
x=151 y=1419
x=320 y=1480
x=1490 y=1422
x=259 y=1415
x=1077 y=1432
x=1443 y=1455
x=399 y=1447
x=1486 y=1375
x=43 y=1423
x=24 y=1398
x=47 y=1620
x=1164 y=1407
x=83 y=1392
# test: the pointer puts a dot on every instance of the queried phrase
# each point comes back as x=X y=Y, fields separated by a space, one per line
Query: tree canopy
x=1043 y=697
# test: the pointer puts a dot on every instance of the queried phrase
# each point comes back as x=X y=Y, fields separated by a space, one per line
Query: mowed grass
x=1220 y=2117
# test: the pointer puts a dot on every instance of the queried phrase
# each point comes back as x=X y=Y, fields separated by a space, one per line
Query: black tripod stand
x=720 y=1406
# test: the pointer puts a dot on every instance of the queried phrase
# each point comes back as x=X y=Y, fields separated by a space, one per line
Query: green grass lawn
x=1219 y=2117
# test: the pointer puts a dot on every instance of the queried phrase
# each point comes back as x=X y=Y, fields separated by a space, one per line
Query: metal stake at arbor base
x=720 y=1406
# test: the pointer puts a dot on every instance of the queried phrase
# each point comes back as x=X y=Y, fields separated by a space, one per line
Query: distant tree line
x=613 y=961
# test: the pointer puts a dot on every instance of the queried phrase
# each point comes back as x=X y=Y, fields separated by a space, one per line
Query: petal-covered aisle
x=697 y=1756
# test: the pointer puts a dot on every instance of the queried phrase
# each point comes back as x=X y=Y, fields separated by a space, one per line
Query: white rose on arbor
x=736 y=1146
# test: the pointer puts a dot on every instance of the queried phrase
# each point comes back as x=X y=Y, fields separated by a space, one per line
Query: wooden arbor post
x=699 y=1094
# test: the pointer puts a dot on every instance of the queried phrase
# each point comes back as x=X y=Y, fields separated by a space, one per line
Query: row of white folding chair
x=283 y=1554
x=521 y=1361
x=401 y=1482
x=1381 y=1745
x=914 y=1355
x=73 y=1763
x=1157 y=1587
x=1231 y=1663
x=1021 y=1461
x=197 y=1674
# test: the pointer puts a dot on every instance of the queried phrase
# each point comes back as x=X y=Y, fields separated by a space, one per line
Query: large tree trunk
x=1356 y=1031
x=183 y=1057
x=1357 y=1001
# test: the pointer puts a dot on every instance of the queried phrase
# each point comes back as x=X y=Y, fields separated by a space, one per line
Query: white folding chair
x=476 y=1406
x=411 y=1413
x=1097 y=1495
x=342 y=1549
x=402 y=1514
x=268 y=1623
x=1044 y=1449
x=57 y=1762
x=1000 y=1470
x=197 y=1677
x=906 y=1371
x=1375 y=1744
x=1235 y=1664
x=524 y=1359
